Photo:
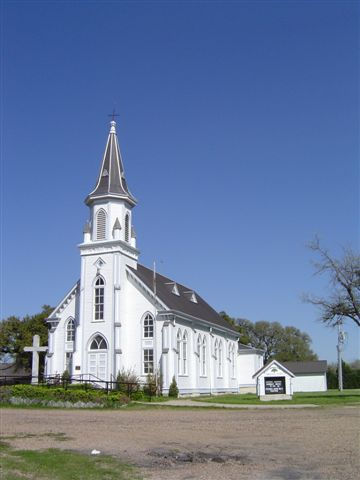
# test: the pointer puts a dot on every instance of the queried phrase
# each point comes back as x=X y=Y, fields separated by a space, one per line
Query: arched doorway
x=98 y=353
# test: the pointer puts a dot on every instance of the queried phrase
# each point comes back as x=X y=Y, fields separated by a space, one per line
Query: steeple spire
x=111 y=181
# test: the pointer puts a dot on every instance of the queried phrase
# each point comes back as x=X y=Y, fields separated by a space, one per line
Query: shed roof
x=317 y=366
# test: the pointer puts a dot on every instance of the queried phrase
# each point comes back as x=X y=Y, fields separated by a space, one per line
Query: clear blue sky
x=239 y=132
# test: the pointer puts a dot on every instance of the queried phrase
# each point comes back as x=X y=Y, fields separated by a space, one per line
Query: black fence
x=128 y=388
x=15 y=379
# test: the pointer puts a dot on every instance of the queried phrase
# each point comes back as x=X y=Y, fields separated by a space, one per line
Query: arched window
x=70 y=330
x=148 y=326
x=233 y=361
x=99 y=299
x=99 y=343
x=184 y=353
x=203 y=357
x=101 y=224
x=220 y=359
x=127 y=227
x=216 y=348
x=178 y=348
x=198 y=346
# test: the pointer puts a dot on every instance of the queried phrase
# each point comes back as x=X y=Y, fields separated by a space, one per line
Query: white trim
x=52 y=317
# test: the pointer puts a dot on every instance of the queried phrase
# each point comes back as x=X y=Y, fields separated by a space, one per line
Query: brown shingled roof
x=181 y=302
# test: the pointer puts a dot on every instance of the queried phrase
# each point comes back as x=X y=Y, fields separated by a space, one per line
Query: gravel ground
x=189 y=444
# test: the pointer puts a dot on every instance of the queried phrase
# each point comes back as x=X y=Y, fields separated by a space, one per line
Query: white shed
x=309 y=376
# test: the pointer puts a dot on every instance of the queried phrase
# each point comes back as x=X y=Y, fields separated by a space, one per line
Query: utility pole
x=340 y=346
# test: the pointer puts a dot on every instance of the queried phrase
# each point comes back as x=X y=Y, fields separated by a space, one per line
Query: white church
x=121 y=315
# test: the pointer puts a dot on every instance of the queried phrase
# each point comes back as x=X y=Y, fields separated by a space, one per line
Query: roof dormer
x=174 y=288
x=190 y=295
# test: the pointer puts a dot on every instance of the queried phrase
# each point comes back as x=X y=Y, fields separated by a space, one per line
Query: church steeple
x=111 y=181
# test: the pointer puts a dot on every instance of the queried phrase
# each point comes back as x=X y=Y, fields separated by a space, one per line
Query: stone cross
x=35 y=349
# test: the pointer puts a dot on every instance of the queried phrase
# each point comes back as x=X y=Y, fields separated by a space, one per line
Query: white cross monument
x=35 y=349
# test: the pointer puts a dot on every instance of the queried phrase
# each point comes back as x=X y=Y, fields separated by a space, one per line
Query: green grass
x=331 y=397
x=53 y=464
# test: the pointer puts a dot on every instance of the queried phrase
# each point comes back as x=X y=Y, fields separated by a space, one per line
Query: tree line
x=284 y=344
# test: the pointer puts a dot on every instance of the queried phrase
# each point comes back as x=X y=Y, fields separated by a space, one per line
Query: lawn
x=53 y=464
x=331 y=397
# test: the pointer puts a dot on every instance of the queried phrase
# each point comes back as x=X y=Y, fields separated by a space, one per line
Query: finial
x=113 y=123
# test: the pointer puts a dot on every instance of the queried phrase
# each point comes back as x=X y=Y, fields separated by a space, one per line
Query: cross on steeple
x=113 y=115
x=35 y=349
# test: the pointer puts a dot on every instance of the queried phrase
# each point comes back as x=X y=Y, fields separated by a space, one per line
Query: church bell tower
x=109 y=245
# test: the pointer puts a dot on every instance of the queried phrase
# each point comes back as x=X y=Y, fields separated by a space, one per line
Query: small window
x=98 y=343
x=127 y=227
x=148 y=360
x=101 y=225
x=148 y=326
x=99 y=299
x=70 y=330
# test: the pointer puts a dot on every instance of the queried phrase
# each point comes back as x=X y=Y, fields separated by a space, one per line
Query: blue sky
x=238 y=124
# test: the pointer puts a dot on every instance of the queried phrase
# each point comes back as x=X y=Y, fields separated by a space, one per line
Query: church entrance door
x=98 y=358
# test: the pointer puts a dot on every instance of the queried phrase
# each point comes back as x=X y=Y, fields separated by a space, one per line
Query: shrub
x=173 y=389
x=150 y=386
x=139 y=395
x=65 y=378
x=127 y=381
x=47 y=395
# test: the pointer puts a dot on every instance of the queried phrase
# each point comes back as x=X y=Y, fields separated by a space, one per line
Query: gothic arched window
x=220 y=359
x=99 y=343
x=99 y=299
x=127 y=227
x=148 y=326
x=178 y=348
x=233 y=361
x=70 y=330
x=198 y=346
x=101 y=224
x=203 y=357
x=184 y=353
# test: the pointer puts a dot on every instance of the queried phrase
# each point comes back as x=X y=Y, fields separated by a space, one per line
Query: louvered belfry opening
x=127 y=228
x=101 y=225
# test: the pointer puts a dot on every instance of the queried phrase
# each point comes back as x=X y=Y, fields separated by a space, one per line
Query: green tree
x=16 y=333
x=294 y=346
x=234 y=322
x=278 y=342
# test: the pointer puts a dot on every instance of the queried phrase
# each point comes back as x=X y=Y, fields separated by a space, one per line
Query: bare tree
x=343 y=300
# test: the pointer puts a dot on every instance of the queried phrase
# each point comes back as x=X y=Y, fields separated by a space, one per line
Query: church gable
x=61 y=308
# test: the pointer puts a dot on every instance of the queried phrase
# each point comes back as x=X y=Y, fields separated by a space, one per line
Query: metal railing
x=86 y=381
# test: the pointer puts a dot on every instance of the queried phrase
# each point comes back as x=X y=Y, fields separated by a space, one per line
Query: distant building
x=298 y=376
x=309 y=376
x=249 y=361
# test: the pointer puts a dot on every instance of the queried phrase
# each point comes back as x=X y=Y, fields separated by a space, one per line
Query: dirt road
x=319 y=444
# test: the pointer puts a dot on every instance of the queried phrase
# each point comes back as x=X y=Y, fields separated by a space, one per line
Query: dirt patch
x=172 y=457
x=173 y=444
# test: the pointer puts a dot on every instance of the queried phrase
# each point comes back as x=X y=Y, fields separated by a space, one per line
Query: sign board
x=275 y=385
